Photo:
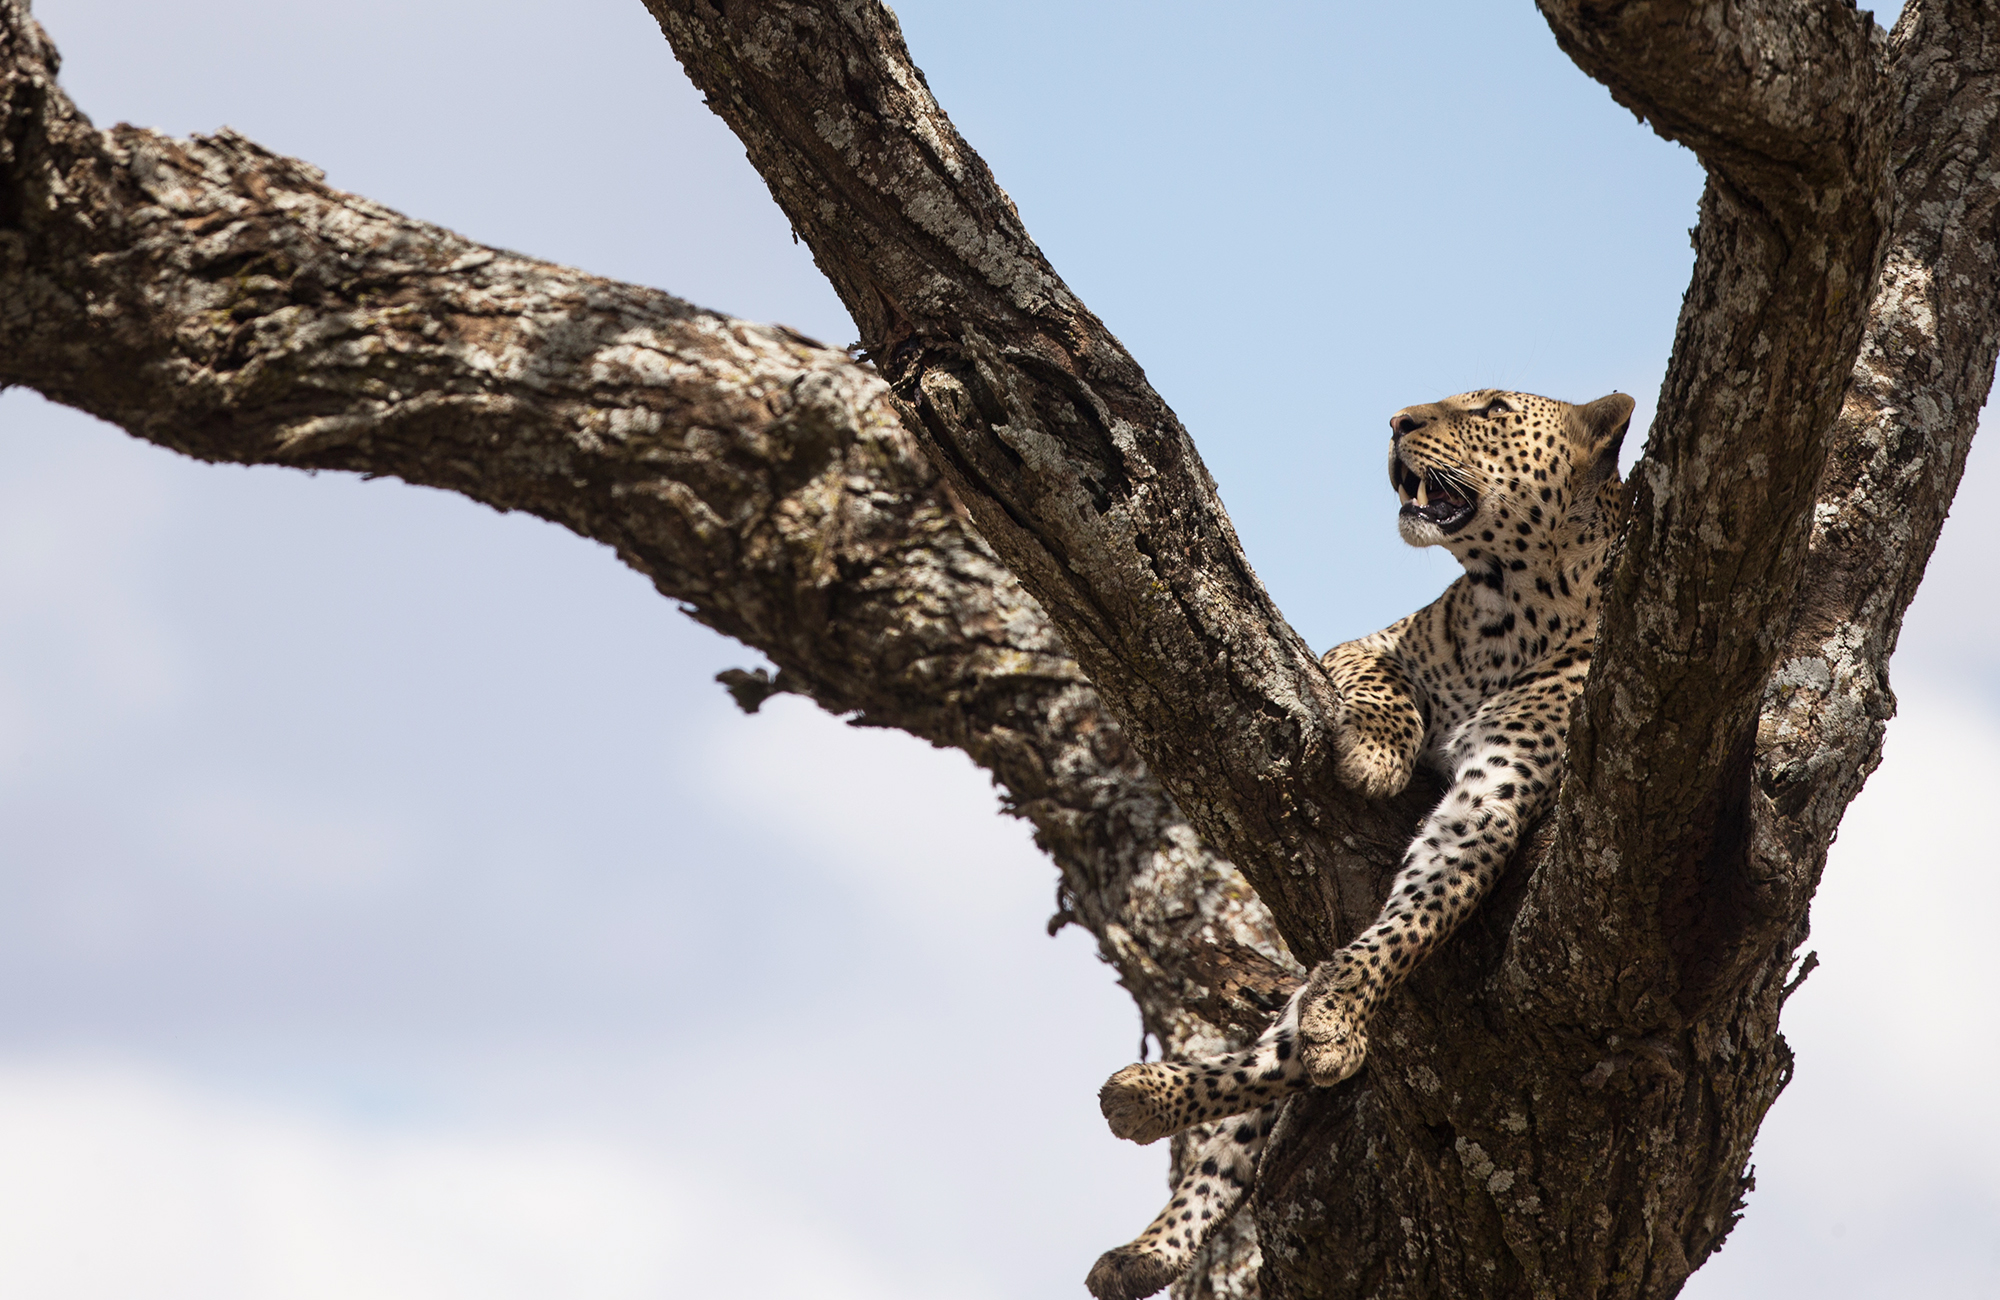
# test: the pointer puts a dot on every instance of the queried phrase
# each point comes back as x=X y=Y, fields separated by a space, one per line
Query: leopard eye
x=1498 y=406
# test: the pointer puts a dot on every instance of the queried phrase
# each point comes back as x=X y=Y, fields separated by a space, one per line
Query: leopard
x=1477 y=686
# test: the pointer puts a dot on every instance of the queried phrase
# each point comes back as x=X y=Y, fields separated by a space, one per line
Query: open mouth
x=1434 y=498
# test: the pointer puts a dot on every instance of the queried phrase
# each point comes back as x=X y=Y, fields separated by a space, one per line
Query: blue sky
x=394 y=906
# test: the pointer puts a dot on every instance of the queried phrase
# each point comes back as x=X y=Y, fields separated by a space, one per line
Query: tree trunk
x=998 y=537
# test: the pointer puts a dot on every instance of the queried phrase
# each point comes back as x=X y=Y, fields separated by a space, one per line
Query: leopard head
x=1504 y=479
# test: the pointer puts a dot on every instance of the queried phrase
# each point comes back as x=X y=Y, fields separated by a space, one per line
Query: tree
x=221 y=301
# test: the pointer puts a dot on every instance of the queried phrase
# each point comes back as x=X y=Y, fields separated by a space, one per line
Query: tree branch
x=1072 y=466
x=1650 y=884
x=1898 y=449
x=1630 y=987
x=220 y=300
x=1612 y=1010
x=1777 y=98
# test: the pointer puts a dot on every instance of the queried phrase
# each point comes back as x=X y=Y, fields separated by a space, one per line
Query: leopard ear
x=1604 y=423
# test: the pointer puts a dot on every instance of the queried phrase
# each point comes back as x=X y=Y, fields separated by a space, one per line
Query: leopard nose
x=1402 y=422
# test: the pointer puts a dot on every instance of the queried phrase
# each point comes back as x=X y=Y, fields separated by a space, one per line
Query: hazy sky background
x=392 y=906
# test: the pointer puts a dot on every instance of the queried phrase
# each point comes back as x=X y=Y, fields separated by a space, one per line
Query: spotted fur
x=1524 y=492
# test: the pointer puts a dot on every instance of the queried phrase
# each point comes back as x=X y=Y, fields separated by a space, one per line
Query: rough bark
x=1628 y=993
x=1792 y=229
x=1563 y=1101
x=1073 y=468
x=222 y=301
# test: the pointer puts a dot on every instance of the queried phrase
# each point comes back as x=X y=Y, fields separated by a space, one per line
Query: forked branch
x=220 y=300
x=1075 y=470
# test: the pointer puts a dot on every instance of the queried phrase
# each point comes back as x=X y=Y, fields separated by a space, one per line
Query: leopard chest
x=1483 y=638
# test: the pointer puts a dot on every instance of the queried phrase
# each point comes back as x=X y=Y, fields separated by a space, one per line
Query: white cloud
x=121 y=1182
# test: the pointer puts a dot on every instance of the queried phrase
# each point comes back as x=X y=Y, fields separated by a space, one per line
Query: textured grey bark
x=220 y=300
x=1070 y=464
x=1563 y=1101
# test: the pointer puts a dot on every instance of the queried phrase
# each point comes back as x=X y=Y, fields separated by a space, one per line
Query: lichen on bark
x=995 y=535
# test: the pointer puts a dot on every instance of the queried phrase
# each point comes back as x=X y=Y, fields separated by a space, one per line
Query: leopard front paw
x=1138 y=1103
x=1333 y=1054
x=1333 y=1025
x=1369 y=768
x=1128 y=1273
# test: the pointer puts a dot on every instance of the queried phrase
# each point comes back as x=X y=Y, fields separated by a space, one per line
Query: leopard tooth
x=1423 y=494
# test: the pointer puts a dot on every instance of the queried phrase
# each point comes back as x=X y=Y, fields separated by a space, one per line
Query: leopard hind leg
x=1505 y=761
x=1148 y=1101
x=1220 y=1171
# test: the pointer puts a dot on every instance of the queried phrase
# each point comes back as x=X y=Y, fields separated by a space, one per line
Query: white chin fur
x=1419 y=532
